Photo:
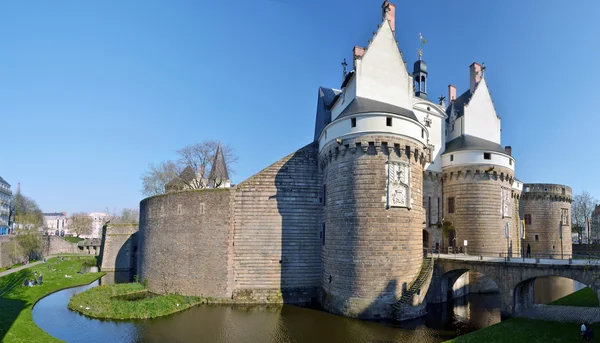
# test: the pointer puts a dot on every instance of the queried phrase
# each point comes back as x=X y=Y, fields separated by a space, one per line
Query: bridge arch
x=524 y=291
x=460 y=282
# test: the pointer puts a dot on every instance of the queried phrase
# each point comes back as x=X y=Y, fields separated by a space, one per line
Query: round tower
x=546 y=210
x=373 y=209
x=480 y=198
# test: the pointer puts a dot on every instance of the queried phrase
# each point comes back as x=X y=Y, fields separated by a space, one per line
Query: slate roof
x=467 y=142
x=325 y=100
x=4 y=181
x=218 y=171
x=363 y=105
x=458 y=105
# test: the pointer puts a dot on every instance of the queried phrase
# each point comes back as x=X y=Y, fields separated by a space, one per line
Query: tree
x=80 y=224
x=191 y=170
x=581 y=208
x=31 y=244
x=129 y=215
x=26 y=213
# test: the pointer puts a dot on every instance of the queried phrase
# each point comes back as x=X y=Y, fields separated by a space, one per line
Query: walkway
x=14 y=270
x=547 y=261
x=570 y=314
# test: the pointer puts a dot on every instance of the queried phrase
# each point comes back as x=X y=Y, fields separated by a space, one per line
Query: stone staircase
x=407 y=296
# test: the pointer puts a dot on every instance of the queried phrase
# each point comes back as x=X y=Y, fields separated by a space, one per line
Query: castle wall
x=478 y=216
x=58 y=245
x=119 y=247
x=184 y=242
x=277 y=224
x=6 y=257
x=432 y=204
x=544 y=202
x=371 y=253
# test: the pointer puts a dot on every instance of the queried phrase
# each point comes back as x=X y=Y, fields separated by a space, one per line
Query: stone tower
x=546 y=210
x=479 y=187
x=372 y=154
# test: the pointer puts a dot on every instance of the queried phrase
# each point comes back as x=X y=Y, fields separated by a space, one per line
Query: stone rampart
x=480 y=215
x=119 y=246
x=543 y=206
x=185 y=242
x=372 y=251
x=7 y=257
x=277 y=224
x=57 y=245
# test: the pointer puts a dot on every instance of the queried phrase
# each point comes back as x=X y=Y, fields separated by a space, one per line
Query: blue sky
x=93 y=91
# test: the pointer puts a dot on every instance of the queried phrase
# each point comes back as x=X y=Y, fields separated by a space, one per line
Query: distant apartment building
x=56 y=223
x=5 y=199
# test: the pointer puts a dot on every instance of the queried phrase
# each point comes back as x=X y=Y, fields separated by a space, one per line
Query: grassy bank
x=585 y=297
x=525 y=330
x=129 y=301
x=16 y=300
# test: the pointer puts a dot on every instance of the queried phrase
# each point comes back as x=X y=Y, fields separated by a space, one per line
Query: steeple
x=219 y=177
x=420 y=72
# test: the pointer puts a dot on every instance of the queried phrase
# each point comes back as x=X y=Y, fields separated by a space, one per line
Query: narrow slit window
x=487 y=156
x=451 y=205
x=353 y=122
x=451 y=158
x=388 y=121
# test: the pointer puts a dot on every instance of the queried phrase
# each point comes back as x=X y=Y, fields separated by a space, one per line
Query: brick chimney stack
x=388 y=12
x=451 y=93
x=475 y=75
x=508 y=150
x=358 y=52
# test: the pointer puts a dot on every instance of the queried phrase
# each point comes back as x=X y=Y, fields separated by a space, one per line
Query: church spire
x=219 y=177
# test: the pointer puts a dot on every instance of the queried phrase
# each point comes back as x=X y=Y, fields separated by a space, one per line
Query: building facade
x=5 y=201
x=56 y=224
x=98 y=220
x=344 y=219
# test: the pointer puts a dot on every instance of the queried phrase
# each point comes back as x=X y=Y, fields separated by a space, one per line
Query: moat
x=281 y=323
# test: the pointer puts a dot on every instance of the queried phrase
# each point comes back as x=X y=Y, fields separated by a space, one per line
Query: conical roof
x=219 y=168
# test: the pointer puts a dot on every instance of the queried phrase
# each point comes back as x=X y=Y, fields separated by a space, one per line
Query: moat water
x=287 y=323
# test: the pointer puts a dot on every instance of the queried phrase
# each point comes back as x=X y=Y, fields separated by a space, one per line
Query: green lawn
x=73 y=239
x=16 y=301
x=129 y=301
x=585 y=297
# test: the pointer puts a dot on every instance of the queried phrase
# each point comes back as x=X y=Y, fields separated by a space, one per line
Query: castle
x=345 y=220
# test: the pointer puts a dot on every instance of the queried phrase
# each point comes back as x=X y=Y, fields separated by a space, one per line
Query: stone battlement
x=479 y=172
x=556 y=192
x=374 y=144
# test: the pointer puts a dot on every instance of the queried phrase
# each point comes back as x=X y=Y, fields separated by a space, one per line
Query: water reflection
x=550 y=288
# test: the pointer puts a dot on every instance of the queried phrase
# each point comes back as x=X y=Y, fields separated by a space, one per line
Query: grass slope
x=16 y=301
x=585 y=297
x=108 y=301
x=525 y=330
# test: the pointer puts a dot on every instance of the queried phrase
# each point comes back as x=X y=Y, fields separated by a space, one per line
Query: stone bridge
x=514 y=278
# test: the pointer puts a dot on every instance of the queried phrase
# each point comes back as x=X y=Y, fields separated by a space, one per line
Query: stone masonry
x=370 y=253
x=544 y=204
x=119 y=247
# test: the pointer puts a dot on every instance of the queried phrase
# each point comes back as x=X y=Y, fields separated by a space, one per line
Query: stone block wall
x=58 y=245
x=6 y=257
x=185 y=242
x=477 y=215
x=119 y=246
x=277 y=224
x=545 y=203
x=371 y=252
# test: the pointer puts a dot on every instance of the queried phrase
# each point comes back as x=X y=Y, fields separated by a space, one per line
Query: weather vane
x=422 y=41
x=344 y=65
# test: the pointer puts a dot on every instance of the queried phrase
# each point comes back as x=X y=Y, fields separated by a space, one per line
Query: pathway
x=14 y=270
x=464 y=257
x=571 y=314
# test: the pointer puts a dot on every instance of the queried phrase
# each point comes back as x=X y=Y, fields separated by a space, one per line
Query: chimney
x=475 y=75
x=358 y=52
x=451 y=93
x=508 y=150
x=388 y=12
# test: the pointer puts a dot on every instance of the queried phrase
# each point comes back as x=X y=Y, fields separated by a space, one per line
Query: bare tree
x=26 y=213
x=156 y=178
x=192 y=169
x=80 y=224
x=581 y=208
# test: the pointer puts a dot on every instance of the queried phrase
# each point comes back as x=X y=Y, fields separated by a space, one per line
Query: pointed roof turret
x=219 y=169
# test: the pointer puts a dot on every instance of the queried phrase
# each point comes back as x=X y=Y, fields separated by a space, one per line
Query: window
x=510 y=161
x=450 y=205
x=428 y=211
x=353 y=122
x=323 y=236
x=537 y=237
x=201 y=208
x=388 y=121
x=178 y=208
x=451 y=158
x=452 y=129
x=438 y=210
x=422 y=133
x=487 y=156
x=528 y=219
x=324 y=194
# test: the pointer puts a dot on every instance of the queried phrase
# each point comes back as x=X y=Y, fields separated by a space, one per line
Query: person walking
x=528 y=250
